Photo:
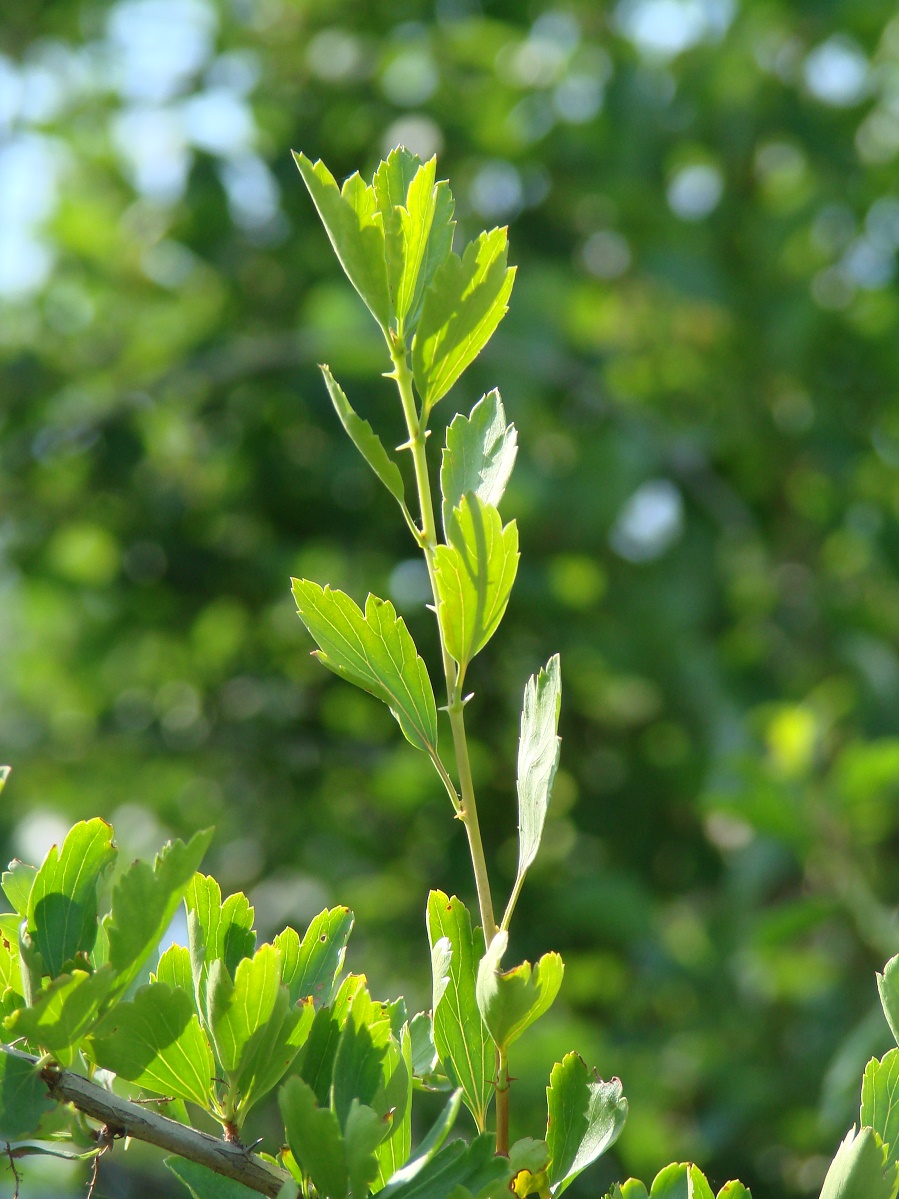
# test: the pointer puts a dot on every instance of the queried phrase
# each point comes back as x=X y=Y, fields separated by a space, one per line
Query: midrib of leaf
x=174 y=1043
x=465 y=1024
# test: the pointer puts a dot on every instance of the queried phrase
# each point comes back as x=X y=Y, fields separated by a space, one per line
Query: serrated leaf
x=315 y=1139
x=311 y=966
x=479 y=455
x=461 y=309
x=18 y=879
x=538 y=759
x=144 y=900
x=860 y=1169
x=460 y=1036
x=476 y=1167
x=63 y=1013
x=393 y=1104
x=157 y=1043
x=255 y=1030
x=206 y=1184
x=417 y=215
x=430 y=1146
x=361 y=1049
x=353 y=222
x=64 y=896
x=364 y=438
x=174 y=969
x=362 y=1135
x=216 y=931
x=475 y=574
x=888 y=989
x=374 y=651
x=585 y=1117
x=510 y=1001
x=24 y=1099
x=880 y=1100
x=10 y=976
x=316 y=1064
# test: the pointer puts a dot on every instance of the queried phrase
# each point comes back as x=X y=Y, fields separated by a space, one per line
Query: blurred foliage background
x=701 y=357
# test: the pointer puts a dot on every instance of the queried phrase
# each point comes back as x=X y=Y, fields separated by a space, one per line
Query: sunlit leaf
x=510 y=1001
x=880 y=1100
x=353 y=223
x=64 y=896
x=475 y=573
x=585 y=1117
x=174 y=969
x=861 y=1169
x=478 y=457
x=311 y=966
x=315 y=1139
x=63 y=1013
x=888 y=988
x=18 y=879
x=476 y=1167
x=466 y=300
x=373 y=650
x=462 y=1041
x=366 y=441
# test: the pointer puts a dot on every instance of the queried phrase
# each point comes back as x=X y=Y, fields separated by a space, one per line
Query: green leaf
x=174 y=969
x=417 y=215
x=634 y=1189
x=888 y=988
x=860 y=1169
x=734 y=1190
x=311 y=966
x=316 y=1063
x=63 y=1013
x=64 y=898
x=361 y=1050
x=374 y=651
x=18 y=879
x=479 y=455
x=24 y=1099
x=226 y=929
x=144 y=900
x=462 y=307
x=315 y=1139
x=424 y=1052
x=431 y=1144
x=157 y=1043
x=363 y=1133
x=10 y=974
x=393 y=1103
x=880 y=1100
x=206 y=1184
x=511 y=1001
x=538 y=758
x=476 y=1167
x=366 y=441
x=354 y=224
x=681 y=1181
x=460 y=1035
x=475 y=573
x=585 y=1117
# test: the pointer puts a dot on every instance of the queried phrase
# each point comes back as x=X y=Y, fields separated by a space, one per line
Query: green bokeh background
x=701 y=360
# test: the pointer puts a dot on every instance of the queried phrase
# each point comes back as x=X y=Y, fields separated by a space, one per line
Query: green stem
x=467 y=810
x=502 y=1104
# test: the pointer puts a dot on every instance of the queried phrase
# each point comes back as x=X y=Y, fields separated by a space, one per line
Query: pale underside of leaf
x=479 y=456
x=365 y=439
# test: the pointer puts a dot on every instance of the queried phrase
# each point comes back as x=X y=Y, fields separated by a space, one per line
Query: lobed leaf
x=366 y=441
x=64 y=896
x=315 y=1139
x=510 y=1001
x=310 y=967
x=585 y=1117
x=174 y=969
x=63 y=1013
x=474 y=1167
x=461 y=308
x=393 y=1104
x=24 y=1099
x=460 y=1036
x=157 y=1043
x=888 y=989
x=18 y=879
x=474 y=574
x=362 y=1135
x=374 y=651
x=354 y=224
x=860 y=1169
x=144 y=900
x=880 y=1101
x=478 y=457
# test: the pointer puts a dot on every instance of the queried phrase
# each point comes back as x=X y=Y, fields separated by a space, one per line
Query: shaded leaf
x=24 y=1098
x=393 y=1103
x=476 y=1167
x=314 y=1137
x=206 y=1184
x=510 y=1001
x=18 y=879
x=353 y=222
x=461 y=1038
x=585 y=1117
x=461 y=309
x=633 y=1189
x=363 y=1133
x=63 y=1013
x=475 y=574
x=366 y=441
x=479 y=455
x=311 y=966
x=144 y=901
x=316 y=1063
x=374 y=651
x=64 y=896
x=157 y=1043
x=361 y=1049
x=888 y=988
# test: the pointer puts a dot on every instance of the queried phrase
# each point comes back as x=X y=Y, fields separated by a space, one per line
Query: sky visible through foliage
x=700 y=357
